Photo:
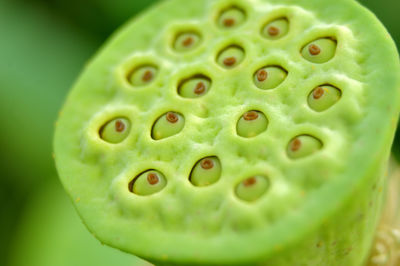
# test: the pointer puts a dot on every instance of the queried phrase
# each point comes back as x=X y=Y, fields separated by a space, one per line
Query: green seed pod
x=320 y=51
x=276 y=29
x=269 y=77
x=230 y=57
x=168 y=125
x=195 y=87
x=187 y=41
x=303 y=146
x=252 y=188
x=231 y=18
x=142 y=76
x=323 y=97
x=148 y=183
x=251 y=124
x=116 y=130
x=206 y=172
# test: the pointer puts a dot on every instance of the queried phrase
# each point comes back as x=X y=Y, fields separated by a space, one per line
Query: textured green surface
x=316 y=210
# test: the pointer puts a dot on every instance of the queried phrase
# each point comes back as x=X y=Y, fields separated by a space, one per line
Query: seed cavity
x=269 y=77
x=206 y=171
x=147 y=183
x=169 y=124
x=303 y=146
x=115 y=130
x=187 y=41
x=251 y=124
x=230 y=57
x=320 y=51
x=276 y=29
x=323 y=97
x=252 y=188
x=142 y=75
x=231 y=17
x=194 y=87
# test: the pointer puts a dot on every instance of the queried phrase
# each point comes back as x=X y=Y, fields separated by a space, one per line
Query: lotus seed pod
x=148 y=183
x=320 y=51
x=252 y=188
x=320 y=168
x=302 y=146
x=195 y=87
x=231 y=18
x=276 y=29
x=251 y=124
x=168 y=125
x=231 y=57
x=323 y=97
x=142 y=76
x=269 y=77
x=206 y=172
x=116 y=130
x=187 y=41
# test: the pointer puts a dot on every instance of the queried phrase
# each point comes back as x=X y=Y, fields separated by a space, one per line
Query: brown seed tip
x=273 y=31
x=119 y=126
x=249 y=181
x=318 y=93
x=249 y=116
x=230 y=61
x=314 y=49
x=296 y=145
x=262 y=75
x=188 y=41
x=147 y=76
x=207 y=164
x=172 y=117
x=229 y=22
x=200 y=88
x=152 y=178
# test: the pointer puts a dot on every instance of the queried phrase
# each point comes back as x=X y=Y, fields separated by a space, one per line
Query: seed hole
x=269 y=77
x=251 y=124
x=142 y=75
x=323 y=97
x=206 y=171
x=303 y=146
x=231 y=17
x=231 y=57
x=115 y=130
x=252 y=188
x=187 y=41
x=169 y=124
x=147 y=183
x=194 y=87
x=276 y=29
x=320 y=51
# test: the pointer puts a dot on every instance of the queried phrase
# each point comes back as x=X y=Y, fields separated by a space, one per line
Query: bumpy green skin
x=319 y=210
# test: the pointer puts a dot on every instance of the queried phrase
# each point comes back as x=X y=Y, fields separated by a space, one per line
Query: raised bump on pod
x=320 y=51
x=187 y=41
x=115 y=131
x=142 y=75
x=231 y=18
x=302 y=146
x=251 y=124
x=168 y=125
x=148 y=183
x=276 y=29
x=194 y=87
x=230 y=57
x=206 y=172
x=323 y=97
x=252 y=188
x=269 y=77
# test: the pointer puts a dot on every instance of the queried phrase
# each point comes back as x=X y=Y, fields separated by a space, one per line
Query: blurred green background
x=44 y=44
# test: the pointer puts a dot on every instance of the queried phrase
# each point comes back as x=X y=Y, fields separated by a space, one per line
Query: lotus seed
x=252 y=188
x=168 y=125
x=323 y=97
x=251 y=124
x=195 y=87
x=320 y=51
x=187 y=41
x=148 y=183
x=231 y=57
x=302 y=146
x=269 y=77
x=142 y=76
x=231 y=18
x=206 y=172
x=116 y=130
x=276 y=29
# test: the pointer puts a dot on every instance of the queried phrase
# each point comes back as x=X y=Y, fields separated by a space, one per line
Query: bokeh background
x=44 y=44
